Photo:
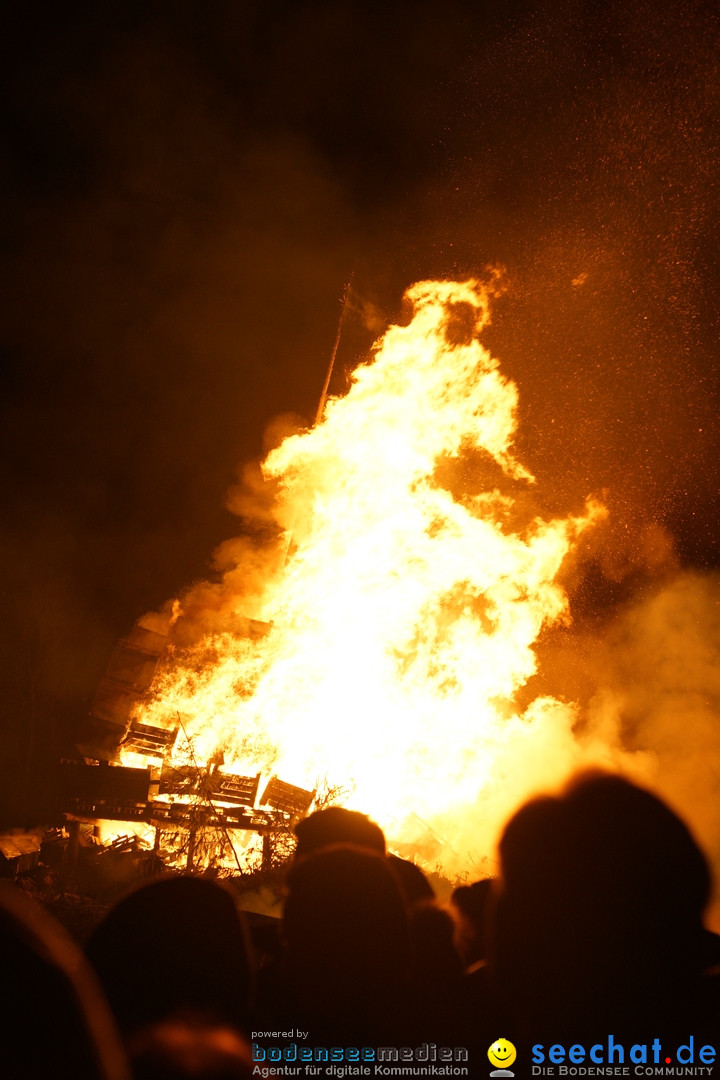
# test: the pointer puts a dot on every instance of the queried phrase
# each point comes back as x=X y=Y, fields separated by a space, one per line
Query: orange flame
x=404 y=617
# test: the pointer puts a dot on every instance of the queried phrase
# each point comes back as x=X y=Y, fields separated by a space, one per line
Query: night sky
x=187 y=187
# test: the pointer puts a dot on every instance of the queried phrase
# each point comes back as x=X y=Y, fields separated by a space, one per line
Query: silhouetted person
x=54 y=1019
x=479 y=1013
x=598 y=925
x=347 y=946
x=322 y=829
x=436 y=966
x=414 y=886
x=174 y=945
x=470 y=908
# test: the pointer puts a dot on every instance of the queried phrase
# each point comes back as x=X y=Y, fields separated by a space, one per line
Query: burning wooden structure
x=391 y=605
x=171 y=798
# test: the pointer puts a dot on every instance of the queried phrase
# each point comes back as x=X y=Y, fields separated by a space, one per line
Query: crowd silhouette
x=593 y=927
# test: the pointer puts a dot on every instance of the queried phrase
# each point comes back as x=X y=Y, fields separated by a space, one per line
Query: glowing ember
x=404 y=615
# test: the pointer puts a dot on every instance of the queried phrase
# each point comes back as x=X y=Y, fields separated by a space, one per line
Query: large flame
x=405 y=609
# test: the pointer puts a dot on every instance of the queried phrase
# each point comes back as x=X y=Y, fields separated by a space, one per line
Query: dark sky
x=188 y=185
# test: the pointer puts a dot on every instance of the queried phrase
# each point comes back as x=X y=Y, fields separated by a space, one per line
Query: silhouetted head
x=54 y=1019
x=414 y=886
x=172 y=945
x=600 y=906
x=336 y=825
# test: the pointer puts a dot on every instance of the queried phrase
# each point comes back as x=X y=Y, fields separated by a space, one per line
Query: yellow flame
x=404 y=617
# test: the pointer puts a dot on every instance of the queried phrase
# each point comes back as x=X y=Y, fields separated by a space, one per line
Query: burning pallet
x=103 y=791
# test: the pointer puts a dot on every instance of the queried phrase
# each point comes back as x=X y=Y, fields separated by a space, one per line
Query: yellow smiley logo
x=502 y=1053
